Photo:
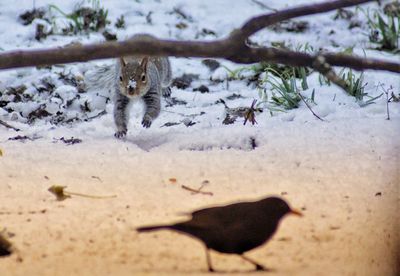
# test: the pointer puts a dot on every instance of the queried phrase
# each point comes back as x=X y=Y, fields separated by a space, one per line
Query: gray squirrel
x=135 y=78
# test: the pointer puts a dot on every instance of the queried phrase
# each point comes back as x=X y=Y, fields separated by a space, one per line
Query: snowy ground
x=343 y=171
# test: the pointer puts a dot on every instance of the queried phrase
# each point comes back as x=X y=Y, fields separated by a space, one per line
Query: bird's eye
x=143 y=78
x=120 y=78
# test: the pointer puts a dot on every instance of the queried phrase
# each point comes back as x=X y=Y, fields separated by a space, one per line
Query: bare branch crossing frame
x=232 y=48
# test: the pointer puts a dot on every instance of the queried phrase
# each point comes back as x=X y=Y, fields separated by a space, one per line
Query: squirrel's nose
x=131 y=89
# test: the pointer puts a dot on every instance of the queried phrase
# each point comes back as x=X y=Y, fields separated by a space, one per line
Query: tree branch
x=232 y=48
x=256 y=24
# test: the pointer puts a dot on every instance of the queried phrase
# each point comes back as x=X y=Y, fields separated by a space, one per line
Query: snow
x=132 y=84
x=355 y=150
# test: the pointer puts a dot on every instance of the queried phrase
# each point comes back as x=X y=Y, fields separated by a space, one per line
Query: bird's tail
x=152 y=228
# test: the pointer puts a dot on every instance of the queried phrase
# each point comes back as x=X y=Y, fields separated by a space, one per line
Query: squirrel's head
x=133 y=78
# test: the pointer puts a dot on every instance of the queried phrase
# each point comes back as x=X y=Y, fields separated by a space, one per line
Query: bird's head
x=278 y=207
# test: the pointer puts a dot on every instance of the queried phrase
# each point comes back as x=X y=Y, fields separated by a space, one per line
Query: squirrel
x=133 y=78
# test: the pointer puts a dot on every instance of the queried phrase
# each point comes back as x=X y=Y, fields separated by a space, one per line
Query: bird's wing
x=223 y=214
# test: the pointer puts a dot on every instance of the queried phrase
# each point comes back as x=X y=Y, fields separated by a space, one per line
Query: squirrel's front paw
x=120 y=134
x=166 y=92
x=146 y=122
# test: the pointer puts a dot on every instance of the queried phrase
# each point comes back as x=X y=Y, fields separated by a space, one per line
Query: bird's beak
x=296 y=212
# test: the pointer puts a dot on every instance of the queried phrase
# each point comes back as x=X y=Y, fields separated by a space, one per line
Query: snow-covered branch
x=232 y=48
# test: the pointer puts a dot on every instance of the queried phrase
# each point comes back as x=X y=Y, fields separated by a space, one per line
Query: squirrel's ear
x=122 y=61
x=144 y=62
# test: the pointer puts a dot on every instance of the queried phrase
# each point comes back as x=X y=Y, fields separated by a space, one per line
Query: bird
x=5 y=246
x=234 y=228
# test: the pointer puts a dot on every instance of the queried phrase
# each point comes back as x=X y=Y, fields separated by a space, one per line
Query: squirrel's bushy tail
x=152 y=228
x=101 y=78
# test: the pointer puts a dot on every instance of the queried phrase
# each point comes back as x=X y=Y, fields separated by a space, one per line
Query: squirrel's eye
x=120 y=78
x=143 y=77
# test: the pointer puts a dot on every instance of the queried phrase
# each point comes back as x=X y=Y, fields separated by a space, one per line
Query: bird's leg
x=210 y=268
x=258 y=266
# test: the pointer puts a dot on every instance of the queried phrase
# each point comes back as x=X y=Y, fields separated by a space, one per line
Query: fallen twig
x=197 y=191
x=308 y=106
x=8 y=125
x=96 y=177
x=262 y=5
x=387 y=105
x=388 y=99
x=97 y=116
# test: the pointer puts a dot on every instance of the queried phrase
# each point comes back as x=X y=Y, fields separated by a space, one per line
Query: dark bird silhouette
x=234 y=228
x=5 y=246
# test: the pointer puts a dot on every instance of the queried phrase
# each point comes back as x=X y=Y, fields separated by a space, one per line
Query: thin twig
x=387 y=105
x=196 y=191
x=8 y=126
x=97 y=115
x=96 y=177
x=386 y=91
x=89 y=196
x=309 y=107
x=387 y=99
x=264 y=6
x=250 y=114
x=260 y=22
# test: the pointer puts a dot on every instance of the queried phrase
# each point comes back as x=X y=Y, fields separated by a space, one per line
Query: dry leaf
x=58 y=191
